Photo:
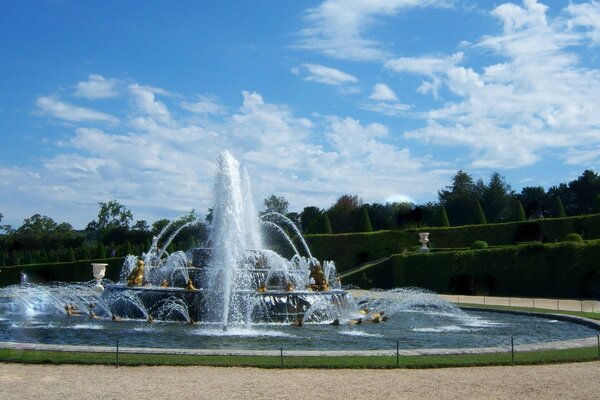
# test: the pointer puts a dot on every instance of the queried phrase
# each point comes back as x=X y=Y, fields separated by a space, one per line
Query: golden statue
x=318 y=276
x=190 y=285
x=289 y=287
x=136 y=276
x=262 y=288
x=164 y=284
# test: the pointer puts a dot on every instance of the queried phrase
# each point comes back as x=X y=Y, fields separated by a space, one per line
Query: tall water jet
x=229 y=239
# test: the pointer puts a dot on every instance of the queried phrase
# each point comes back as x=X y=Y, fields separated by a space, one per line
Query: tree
x=496 y=197
x=141 y=226
x=596 y=205
x=309 y=219
x=159 y=225
x=515 y=211
x=324 y=226
x=480 y=215
x=533 y=199
x=276 y=204
x=37 y=224
x=460 y=199
x=443 y=220
x=557 y=209
x=584 y=190
x=111 y=215
x=365 y=222
x=344 y=214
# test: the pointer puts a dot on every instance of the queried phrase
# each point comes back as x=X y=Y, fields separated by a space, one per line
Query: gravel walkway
x=563 y=381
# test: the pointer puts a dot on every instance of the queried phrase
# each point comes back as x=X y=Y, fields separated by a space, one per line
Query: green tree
x=100 y=250
x=37 y=224
x=596 y=205
x=584 y=190
x=515 y=211
x=309 y=219
x=443 y=219
x=460 y=199
x=111 y=215
x=324 y=225
x=557 y=210
x=365 y=221
x=276 y=204
x=158 y=226
x=344 y=213
x=533 y=199
x=496 y=197
x=481 y=220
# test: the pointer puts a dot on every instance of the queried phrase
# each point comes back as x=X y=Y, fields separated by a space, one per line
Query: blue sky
x=133 y=100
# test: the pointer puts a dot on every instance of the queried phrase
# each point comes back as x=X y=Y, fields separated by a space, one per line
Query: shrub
x=479 y=244
x=573 y=237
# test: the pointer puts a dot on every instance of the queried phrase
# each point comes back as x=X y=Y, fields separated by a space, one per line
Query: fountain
x=234 y=281
x=234 y=294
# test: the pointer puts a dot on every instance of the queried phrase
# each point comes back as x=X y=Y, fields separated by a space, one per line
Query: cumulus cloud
x=52 y=106
x=205 y=104
x=382 y=92
x=323 y=74
x=587 y=17
x=337 y=28
x=161 y=165
x=539 y=98
x=97 y=87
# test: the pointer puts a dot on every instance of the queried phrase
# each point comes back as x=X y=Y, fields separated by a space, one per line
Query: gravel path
x=563 y=381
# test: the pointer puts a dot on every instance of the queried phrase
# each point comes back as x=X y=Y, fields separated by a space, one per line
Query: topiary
x=573 y=237
x=479 y=244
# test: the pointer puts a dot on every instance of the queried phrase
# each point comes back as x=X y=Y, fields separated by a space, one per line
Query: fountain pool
x=233 y=294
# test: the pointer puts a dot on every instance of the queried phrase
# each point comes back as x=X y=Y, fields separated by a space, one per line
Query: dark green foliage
x=496 y=197
x=365 y=222
x=479 y=244
x=276 y=204
x=344 y=215
x=480 y=214
x=596 y=204
x=444 y=222
x=564 y=270
x=100 y=250
x=573 y=237
x=349 y=250
x=323 y=225
x=515 y=211
x=71 y=255
x=557 y=210
x=309 y=219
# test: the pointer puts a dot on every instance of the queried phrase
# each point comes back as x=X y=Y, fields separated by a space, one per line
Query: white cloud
x=382 y=92
x=428 y=66
x=539 y=99
x=587 y=16
x=97 y=87
x=160 y=169
x=323 y=74
x=204 y=105
x=337 y=27
x=49 y=105
x=144 y=98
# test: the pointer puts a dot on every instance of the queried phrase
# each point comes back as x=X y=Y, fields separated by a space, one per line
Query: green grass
x=584 y=314
x=434 y=361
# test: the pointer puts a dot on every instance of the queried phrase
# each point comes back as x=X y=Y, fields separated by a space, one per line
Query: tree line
x=464 y=201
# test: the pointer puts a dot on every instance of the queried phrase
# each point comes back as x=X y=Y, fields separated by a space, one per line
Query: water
x=419 y=326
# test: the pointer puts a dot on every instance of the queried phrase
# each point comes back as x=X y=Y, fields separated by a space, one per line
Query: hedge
x=76 y=271
x=557 y=270
x=351 y=249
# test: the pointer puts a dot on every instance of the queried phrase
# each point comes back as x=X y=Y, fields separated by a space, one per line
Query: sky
x=385 y=99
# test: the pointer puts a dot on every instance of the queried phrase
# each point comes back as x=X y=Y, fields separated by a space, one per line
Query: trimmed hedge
x=351 y=249
x=77 y=271
x=563 y=270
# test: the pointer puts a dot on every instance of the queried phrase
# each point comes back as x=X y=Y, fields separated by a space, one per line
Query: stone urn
x=424 y=239
x=99 y=270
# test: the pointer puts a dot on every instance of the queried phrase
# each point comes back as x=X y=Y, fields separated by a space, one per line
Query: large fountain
x=233 y=281
x=232 y=293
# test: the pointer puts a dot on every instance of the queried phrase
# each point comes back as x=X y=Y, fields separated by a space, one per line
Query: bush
x=479 y=244
x=556 y=270
x=573 y=237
